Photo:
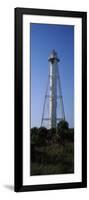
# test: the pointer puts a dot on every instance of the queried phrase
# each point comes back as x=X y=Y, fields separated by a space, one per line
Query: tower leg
x=60 y=95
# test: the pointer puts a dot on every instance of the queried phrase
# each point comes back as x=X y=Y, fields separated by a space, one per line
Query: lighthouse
x=52 y=95
x=53 y=60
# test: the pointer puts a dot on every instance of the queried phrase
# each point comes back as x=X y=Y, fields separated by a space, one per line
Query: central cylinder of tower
x=53 y=59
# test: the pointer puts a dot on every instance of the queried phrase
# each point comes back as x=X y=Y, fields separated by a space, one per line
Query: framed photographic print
x=50 y=99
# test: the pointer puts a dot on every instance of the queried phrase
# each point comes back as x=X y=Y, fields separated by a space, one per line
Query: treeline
x=52 y=150
x=43 y=136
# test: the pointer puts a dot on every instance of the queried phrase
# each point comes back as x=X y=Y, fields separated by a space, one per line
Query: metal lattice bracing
x=53 y=108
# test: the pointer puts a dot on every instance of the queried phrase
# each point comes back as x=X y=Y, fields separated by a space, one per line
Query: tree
x=34 y=135
x=34 y=130
x=62 y=130
x=63 y=125
x=52 y=135
x=42 y=135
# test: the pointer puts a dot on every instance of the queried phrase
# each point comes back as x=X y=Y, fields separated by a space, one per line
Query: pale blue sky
x=45 y=38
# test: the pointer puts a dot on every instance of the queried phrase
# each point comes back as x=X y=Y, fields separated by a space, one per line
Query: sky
x=43 y=39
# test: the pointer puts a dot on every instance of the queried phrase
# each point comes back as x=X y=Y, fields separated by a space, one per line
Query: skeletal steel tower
x=53 y=95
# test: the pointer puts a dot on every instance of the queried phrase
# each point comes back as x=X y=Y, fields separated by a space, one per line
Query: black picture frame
x=18 y=137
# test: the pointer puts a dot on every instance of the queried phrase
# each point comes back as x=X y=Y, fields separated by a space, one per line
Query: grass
x=53 y=159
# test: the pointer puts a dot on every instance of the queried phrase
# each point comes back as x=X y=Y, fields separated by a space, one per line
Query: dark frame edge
x=75 y=185
x=84 y=99
x=18 y=100
x=48 y=12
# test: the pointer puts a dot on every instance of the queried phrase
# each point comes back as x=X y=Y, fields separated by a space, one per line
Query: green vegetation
x=52 y=151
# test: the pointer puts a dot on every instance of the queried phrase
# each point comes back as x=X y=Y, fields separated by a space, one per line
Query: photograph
x=52 y=99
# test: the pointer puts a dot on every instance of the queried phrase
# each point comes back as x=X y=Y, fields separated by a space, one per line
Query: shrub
x=42 y=135
x=63 y=125
x=34 y=135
